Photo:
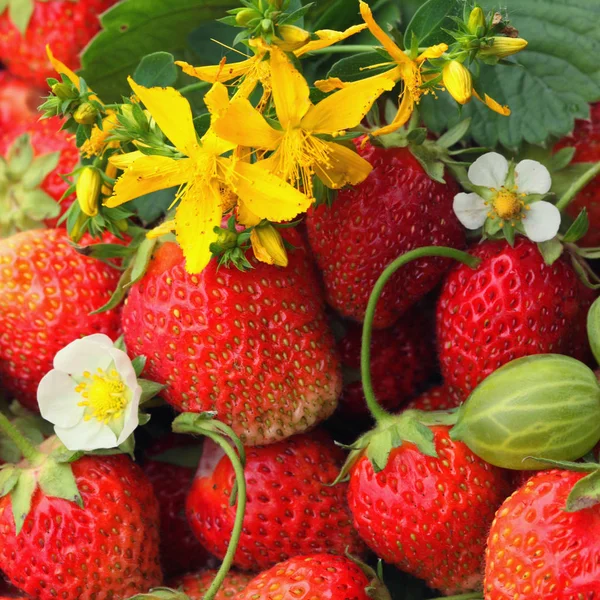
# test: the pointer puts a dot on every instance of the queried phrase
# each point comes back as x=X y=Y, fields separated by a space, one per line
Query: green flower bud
x=245 y=16
x=64 y=91
x=85 y=114
x=545 y=406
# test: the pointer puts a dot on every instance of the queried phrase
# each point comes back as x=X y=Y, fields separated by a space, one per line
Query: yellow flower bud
x=77 y=231
x=504 y=46
x=291 y=37
x=88 y=189
x=268 y=246
x=85 y=114
x=458 y=81
x=476 y=20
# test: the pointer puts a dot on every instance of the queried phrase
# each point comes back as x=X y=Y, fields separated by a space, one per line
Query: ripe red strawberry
x=253 y=346
x=538 y=550
x=25 y=205
x=512 y=305
x=314 y=577
x=180 y=551
x=66 y=26
x=107 y=549
x=195 y=585
x=18 y=104
x=47 y=291
x=396 y=209
x=437 y=398
x=291 y=507
x=586 y=141
x=429 y=516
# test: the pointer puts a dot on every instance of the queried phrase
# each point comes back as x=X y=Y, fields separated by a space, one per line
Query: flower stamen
x=104 y=394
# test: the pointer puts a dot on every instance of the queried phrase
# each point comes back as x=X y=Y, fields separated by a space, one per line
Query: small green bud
x=245 y=16
x=85 y=114
x=266 y=25
x=476 y=20
x=64 y=91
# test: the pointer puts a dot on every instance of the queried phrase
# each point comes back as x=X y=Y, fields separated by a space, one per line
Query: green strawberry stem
x=469 y=596
x=27 y=449
x=379 y=414
x=577 y=186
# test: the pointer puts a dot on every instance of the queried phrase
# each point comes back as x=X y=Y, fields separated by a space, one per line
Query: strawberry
x=586 y=141
x=166 y=468
x=402 y=359
x=105 y=548
x=291 y=507
x=47 y=291
x=66 y=26
x=429 y=516
x=315 y=577
x=512 y=305
x=36 y=155
x=396 y=209
x=195 y=585
x=437 y=398
x=252 y=346
x=18 y=104
x=536 y=549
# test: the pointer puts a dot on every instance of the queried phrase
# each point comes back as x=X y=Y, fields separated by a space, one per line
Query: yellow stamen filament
x=104 y=394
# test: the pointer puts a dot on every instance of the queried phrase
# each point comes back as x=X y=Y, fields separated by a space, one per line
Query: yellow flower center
x=507 y=204
x=104 y=394
x=413 y=80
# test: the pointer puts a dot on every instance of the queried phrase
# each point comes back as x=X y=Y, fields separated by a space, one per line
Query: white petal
x=532 y=177
x=58 y=399
x=470 y=210
x=541 y=221
x=131 y=420
x=87 y=435
x=87 y=354
x=489 y=170
x=124 y=367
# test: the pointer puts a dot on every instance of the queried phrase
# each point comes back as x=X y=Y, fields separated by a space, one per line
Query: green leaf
x=353 y=68
x=428 y=22
x=39 y=169
x=559 y=160
x=209 y=52
x=135 y=28
x=118 y=294
x=20 y=12
x=151 y=207
x=558 y=75
x=585 y=493
x=156 y=70
x=141 y=260
x=593 y=329
x=578 y=228
x=455 y=134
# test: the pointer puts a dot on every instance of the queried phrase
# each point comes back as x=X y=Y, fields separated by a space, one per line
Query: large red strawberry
x=429 y=516
x=396 y=209
x=536 y=549
x=105 y=549
x=170 y=465
x=66 y=26
x=436 y=398
x=291 y=507
x=315 y=577
x=586 y=141
x=47 y=291
x=37 y=153
x=253 y=346
x=512 y=305
x=195 y=585
x=18 y=104
x=402 y=359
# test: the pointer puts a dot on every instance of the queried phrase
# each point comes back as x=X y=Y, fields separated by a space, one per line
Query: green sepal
x=593 y=328
x=376 y=590
x=56 y=479
x=578 y=228
x=9 y=475
x=551 y=250
x=20 y=497
x=161 y=593
x=149 y=389
x=585 y=493
x=138 y=364
x=20 y=12
x=561 y=159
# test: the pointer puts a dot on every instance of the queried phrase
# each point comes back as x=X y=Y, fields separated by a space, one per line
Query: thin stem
x=193 y=87
x=345 y=49
x=469 y=596
x=27 y=449
x=239 y=514
x=577 y=186
x=379 y=413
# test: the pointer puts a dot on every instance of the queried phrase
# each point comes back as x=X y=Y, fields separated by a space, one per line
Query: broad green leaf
x=156 y=70
x=204 y=42
x=429 y=21
x=358 y=66
x=134 y=28
x=593 y=329
x=554 y=80
x=150 y=207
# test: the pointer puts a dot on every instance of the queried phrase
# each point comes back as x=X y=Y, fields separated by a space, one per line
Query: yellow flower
x=268 y=245
x=458 y=81
x=299 y=150
x=202 y=174
x=97 y=144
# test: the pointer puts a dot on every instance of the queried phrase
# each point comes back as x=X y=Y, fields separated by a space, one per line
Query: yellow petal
x=382 y=37
x=331 y=84
x=245 y=216
x=212 y=144
x=346 y=109
x=150 y=174
x=492 y=104
x=123 y=161
x=268 y=246
x=432 y=52
x=345 y=167
x=242 y=124
x=172 y=113
x=290 y=90
x=266 y=195
x=222 y=72
x=198 y=213
x=162 y=229
x=61 y=68
x=328 y=37
x=216 y=99
x=402 y=116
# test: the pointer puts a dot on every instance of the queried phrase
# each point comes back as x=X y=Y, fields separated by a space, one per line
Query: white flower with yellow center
x=506 y=195
x=92 y=395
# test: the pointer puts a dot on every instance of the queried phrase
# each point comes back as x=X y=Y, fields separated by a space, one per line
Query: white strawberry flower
x=505 y=194
x=92 y=395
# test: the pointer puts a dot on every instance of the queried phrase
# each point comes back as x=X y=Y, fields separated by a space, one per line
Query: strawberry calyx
x=161 y=593
x=376 y=590
x=23 y=204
